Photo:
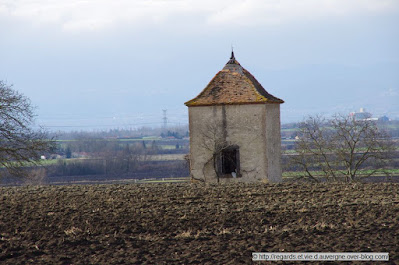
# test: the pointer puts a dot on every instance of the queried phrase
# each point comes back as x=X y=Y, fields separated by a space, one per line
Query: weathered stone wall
x=273 y=142
x=255 y=128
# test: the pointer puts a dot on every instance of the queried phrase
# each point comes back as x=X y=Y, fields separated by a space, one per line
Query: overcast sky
x=104 y=64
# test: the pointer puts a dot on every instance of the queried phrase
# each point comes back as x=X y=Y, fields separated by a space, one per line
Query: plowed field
x=187 y=223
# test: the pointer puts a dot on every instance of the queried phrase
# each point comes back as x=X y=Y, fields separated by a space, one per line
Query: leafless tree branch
x=20 y=145
x=341 y=147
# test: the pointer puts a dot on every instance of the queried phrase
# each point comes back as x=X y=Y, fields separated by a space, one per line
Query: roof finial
x=232 y=52
x=232 y=60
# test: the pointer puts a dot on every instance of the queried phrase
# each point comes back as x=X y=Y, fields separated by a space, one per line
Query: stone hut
x=235 y=129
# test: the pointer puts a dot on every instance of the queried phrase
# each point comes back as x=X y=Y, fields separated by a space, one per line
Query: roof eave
x=192 y=104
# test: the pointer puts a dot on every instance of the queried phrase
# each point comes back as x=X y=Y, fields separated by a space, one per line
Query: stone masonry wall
x=255 y=128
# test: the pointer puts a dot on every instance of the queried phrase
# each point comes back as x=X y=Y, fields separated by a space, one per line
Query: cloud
x=89 y=15
x=260 y=12
x=390 y=92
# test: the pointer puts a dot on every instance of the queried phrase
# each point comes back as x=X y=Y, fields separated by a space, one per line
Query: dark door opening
x=230 y=162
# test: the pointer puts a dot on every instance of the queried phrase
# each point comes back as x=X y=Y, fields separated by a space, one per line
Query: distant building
x=361 y=115
x=235 y=129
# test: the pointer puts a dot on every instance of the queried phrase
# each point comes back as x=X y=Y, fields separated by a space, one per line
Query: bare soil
x=194 y=224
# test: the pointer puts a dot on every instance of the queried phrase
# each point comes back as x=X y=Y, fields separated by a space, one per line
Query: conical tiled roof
x=233 y=85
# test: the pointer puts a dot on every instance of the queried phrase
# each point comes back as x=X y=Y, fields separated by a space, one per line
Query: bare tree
x=20 y=145
x=222 y=153
x=341 y=148
x=214 y=140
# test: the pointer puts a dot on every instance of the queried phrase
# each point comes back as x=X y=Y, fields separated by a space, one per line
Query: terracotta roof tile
x=233 y=85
